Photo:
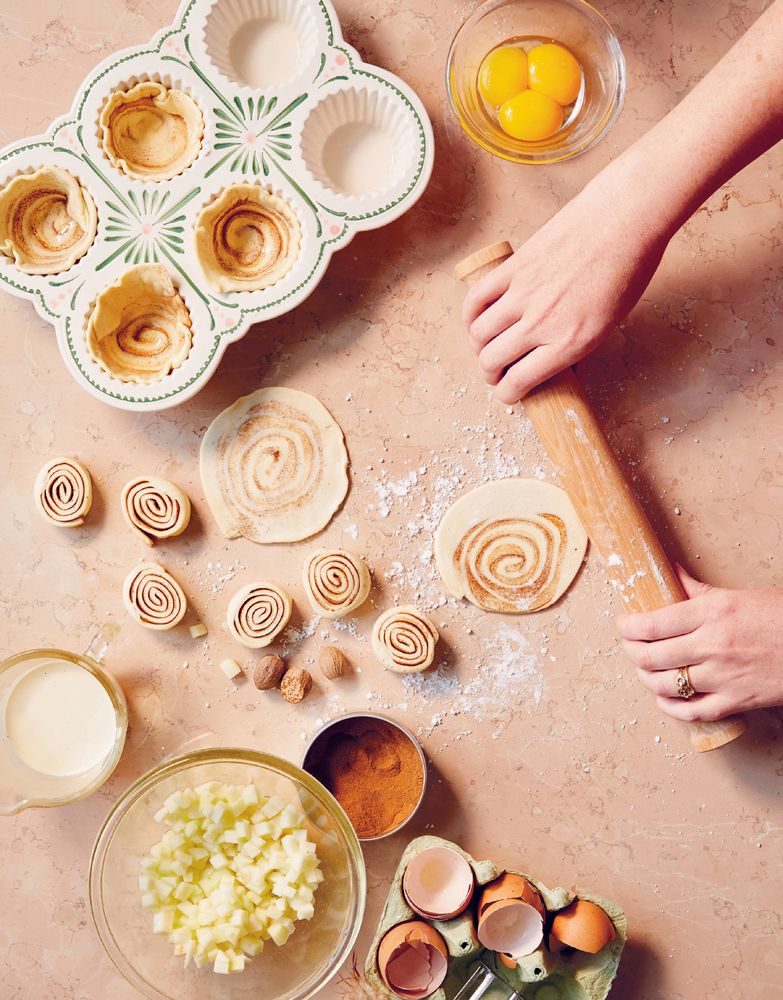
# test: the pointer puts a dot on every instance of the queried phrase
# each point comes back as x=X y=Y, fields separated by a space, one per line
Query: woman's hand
x=730 y=640
x=565 y=289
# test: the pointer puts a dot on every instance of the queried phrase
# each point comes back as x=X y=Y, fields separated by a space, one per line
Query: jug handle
x=100 y=642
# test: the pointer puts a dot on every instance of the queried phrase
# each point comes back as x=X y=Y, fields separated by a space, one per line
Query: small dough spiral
x=247 y=238
x=404 y=640
x=511 y=546
x=150 y=132
x=257 y=614
x=140 y=328
x=155 y=508
x=63 y=492
x=48 y=221
x=153 y=598
x=337 y=582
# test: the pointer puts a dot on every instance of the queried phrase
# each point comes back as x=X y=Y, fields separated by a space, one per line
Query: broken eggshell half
x=581 y=925
x=413 y=960
x=510 y=886
x=511 y=927
x=438 y=883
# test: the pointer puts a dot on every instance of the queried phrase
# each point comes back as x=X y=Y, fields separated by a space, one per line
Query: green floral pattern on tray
x=250 y=135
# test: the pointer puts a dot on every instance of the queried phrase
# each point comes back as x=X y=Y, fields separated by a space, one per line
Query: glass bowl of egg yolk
x=536 y=81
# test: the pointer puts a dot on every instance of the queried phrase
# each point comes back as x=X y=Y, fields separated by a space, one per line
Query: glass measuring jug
x=63 y=720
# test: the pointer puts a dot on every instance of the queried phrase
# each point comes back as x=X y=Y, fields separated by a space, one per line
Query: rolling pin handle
x=594 y=480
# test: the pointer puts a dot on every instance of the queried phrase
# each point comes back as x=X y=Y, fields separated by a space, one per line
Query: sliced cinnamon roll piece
x=258 y=613
x=404 y=640
x=337 y=582
x=155 y=508
x=153 y=598
x=63 y=492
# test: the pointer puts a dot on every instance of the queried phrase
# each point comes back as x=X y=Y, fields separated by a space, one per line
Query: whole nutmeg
x=268 y=672
x=295 y=685
x=332 y=662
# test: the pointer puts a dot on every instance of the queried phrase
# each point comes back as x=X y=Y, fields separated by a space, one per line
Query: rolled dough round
x=274 y=466
x=513 y=546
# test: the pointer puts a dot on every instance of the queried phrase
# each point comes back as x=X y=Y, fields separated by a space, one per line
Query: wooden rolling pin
x=591 y=475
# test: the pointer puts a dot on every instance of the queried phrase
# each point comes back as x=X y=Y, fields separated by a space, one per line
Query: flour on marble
x=503 y=681
x=417 y=500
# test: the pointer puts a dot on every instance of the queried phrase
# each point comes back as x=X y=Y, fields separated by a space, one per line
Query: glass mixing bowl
x=316 y=949
x=575 y=24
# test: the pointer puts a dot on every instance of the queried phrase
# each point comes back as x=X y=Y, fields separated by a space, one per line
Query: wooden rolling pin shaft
x=588 y=469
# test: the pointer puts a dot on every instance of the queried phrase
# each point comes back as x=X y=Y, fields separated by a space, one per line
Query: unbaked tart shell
x=151 y=132
x=247 y=238
x=48 y=221
x=140 y=329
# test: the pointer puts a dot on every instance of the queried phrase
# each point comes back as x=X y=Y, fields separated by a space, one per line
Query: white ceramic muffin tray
x=288 y=105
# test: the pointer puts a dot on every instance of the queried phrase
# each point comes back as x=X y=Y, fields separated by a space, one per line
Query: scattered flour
x=501 y=683
x=416 y=502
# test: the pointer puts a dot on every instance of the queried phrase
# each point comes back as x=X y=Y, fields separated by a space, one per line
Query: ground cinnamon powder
x=372 y=769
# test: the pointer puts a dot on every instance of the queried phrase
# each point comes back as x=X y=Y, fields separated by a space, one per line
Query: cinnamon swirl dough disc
x=63 y=492
x=337 y=582
x=151 y=132
x=153 y=598
x=140 y=329
x=512 y=546
x=258 y=613
x=247 y=238
x=274 y=466
x=404 y=640
x=47 y=221
x=155 y=508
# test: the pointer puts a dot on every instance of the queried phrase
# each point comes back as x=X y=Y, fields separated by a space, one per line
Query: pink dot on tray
x=340 y=60
x=250 y=138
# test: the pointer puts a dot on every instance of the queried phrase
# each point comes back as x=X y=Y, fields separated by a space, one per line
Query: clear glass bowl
x=316 y=949
x=576 y=25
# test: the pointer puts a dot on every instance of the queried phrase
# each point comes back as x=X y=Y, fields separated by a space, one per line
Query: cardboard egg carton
x=286 y=104
x=565 y=976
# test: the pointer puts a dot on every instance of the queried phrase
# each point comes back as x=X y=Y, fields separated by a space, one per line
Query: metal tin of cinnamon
x=312 y=762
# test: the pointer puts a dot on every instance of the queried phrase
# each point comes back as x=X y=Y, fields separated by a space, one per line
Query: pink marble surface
x=545 y=752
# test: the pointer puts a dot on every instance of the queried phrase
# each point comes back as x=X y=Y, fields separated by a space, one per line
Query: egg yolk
x=530 y=116
x=553 y=70
x=503 y=74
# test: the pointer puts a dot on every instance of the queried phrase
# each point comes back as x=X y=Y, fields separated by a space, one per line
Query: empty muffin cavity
x=359 y=143
x=261 y=43
x=48 y=221
x=139 y=329
x=151 y=132
x=247 y=238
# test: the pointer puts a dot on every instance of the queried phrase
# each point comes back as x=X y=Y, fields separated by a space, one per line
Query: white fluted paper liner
x=261 y=44
x=360 y=144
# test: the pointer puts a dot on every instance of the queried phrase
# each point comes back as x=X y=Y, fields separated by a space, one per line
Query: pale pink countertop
x=546 y=754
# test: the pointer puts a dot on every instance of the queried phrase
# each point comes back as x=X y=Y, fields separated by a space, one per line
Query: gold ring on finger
x=684 y=687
